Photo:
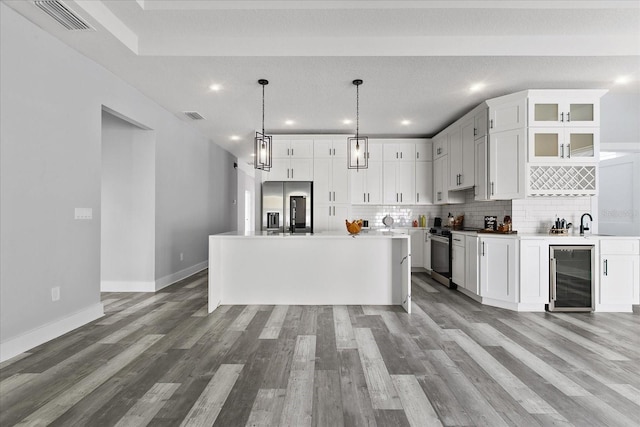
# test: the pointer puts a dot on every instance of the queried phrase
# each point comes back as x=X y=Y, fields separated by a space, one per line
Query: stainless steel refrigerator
x=287 y=206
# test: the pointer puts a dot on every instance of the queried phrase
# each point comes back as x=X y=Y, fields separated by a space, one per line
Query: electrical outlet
x=83 y=213
x=181 y=256
x=55 y=293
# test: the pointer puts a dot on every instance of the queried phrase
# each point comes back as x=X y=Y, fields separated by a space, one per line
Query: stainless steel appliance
x=441 y=254
x=287 y=206
x=571 y=278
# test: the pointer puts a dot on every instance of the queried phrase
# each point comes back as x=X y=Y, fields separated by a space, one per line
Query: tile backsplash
x=403 y=215
x=537 y=215
x=533 y=215
x=474 y=212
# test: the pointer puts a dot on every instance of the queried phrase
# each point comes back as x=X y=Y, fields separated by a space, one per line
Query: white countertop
x=545 y=236
x=376 y=234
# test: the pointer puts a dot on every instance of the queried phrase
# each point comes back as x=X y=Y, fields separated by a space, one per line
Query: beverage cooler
x=571 y=280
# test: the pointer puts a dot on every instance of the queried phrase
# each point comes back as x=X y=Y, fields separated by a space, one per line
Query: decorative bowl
x=354 y=227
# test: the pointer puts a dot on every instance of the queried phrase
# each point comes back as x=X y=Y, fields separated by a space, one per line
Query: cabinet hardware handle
x=562 y=117
x=329 y=151
x=400 y=197
x=491 y=124
x=475 y=131
x=553 y=272
x=396 y=197
x=329 y=210
x=368 y=197
x=334 y=196
x=292 y=172
x=482 y=248
x=396 y=154
x=418 y=197
x=329 y=195
x=364 y=197
x=334 y=211
x=460 y=179
x=417 y=154
x=287 y=172
x=606 y=267
x=401 y=154
x=287 y=151
x=568 y=116
x=492 y=188
x=292 y=151
x=568 y=150
x=562 y=148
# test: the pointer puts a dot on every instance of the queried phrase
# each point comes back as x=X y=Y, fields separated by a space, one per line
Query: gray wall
x=51 y=100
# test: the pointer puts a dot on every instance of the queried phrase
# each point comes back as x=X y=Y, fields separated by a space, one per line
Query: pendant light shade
x=358 y=146
x=262 y=143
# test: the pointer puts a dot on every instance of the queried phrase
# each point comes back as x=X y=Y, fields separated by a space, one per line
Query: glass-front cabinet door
x=572 y=112
x=558 y=144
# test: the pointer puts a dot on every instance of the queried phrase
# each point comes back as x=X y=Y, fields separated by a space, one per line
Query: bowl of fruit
x=354 y=227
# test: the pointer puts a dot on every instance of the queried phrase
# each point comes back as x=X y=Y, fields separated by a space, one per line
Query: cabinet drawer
x=457 y=240
x=621 y=246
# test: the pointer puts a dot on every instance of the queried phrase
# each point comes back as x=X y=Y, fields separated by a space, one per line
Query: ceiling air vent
x=65 y=16
x=193 y=115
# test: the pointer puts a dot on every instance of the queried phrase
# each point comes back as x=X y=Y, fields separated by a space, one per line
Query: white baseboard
x=33 y=338
x=614 y=308
x=125 y=286
x=170 y=279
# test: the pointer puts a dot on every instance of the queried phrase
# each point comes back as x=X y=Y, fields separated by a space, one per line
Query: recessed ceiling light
x=405 y=122
x=253 y=154
x=235 y=138
x=347 y=121
x=215 y=87
x=477 y=87
x=289 y=122
x=621 y=80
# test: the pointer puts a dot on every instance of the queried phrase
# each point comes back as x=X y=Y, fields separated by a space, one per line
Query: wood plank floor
x=161 y=360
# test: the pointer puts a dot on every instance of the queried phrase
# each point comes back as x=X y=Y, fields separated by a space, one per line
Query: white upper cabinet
x=480 y=122
x=366 y=184
x=399 y=182
x=480 y=192
x=507 y=165
x=564 y=108
x=563 y=144
x=424 y=151
x=396 y=150
x=461 y=156
x=440 y=143
x=507 y=114
x=330 y=149
x=424 y=183
x=292 y=148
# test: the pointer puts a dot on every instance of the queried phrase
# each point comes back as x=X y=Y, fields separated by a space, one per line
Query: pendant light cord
x=357 y=111
x=263 y=110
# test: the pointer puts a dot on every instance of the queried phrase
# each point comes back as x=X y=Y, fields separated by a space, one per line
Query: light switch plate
x=83 y=213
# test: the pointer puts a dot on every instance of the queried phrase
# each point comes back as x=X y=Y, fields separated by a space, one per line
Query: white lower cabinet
x=458 y=259
x=471 y=265
x=619 y=273
x=426 y=254
x=534 y=272
x=499 y=271
x=417 y=247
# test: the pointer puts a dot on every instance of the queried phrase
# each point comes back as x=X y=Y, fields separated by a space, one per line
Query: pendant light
x=358 y=146
x=262 y=143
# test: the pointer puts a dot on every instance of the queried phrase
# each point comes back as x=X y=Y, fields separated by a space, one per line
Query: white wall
x=619 y=112
x=127 y=246
x=619 y=199
x=51 y=100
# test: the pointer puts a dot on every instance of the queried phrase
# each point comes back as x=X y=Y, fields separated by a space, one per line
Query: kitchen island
x=332 y=268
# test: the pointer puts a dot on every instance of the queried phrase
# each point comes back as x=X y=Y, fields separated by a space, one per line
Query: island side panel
x=308 y=270
x=215 y=272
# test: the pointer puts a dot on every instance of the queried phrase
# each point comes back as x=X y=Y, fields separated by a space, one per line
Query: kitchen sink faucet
x=584 y=228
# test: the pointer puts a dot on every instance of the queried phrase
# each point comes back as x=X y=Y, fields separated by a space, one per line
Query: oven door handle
x=440 y=239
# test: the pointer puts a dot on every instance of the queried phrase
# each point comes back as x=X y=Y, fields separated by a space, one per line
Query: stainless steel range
x=441 y=254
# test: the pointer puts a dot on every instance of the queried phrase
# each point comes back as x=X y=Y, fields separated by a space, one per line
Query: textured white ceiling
x=417 y=58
